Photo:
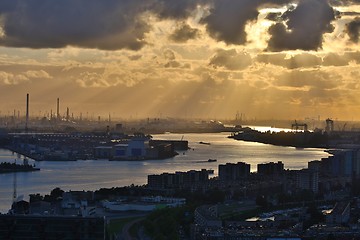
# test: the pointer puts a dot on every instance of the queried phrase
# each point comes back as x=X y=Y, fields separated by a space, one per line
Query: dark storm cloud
x=353 y=30
x=175 y=9
x=184 y=33
x=231 y=60
x=7 y=6
x=110 y=24
x=305 y=26
x=227 y=19
x=115 y=24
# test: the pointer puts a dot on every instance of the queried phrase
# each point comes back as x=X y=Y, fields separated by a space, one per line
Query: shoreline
x=4 y=171
x=106 y=174
x=32 y=157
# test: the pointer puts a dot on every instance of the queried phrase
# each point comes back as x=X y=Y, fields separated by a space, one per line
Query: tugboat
x=212 y=160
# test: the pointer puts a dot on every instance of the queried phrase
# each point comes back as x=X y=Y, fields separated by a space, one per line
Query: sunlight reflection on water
x=95 y=174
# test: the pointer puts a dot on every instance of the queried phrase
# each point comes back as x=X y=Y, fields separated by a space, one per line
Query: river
x=96 y=174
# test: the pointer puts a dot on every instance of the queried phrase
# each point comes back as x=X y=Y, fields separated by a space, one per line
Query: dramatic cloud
x=343 y=2
x=11 y=79
x=307 y=60
x=184 y=33
x=199 y=58
x=105 y=79
x=227 y=19
x=353 y=30
x=38 y=74
x=134 y=57
x=169 y=54
x=90 y=79
x=274 y=16
x=305 y=26
x=333 y=59
x=312 y=79
x=55 y=24
x=124 y=24
x=7 y=5
x=230 y=59
x=303 y=60
x=105 y=25
x=353 y=56
x=171 y=61
x=175 y=9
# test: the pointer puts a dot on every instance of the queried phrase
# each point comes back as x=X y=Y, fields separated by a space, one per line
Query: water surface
x=95 y=174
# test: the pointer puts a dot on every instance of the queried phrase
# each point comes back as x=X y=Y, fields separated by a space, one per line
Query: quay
x=90 y=146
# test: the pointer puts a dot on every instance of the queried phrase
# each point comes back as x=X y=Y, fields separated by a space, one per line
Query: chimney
x=58 y=109
x=27 y=112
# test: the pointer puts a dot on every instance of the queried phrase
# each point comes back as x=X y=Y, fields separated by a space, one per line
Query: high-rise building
x=270 y=168
x=342 y=164
x=234 y=171
x=314 y=165
x=307 y=180
x=177 y=179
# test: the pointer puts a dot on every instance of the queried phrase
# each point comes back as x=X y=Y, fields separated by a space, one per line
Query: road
x=126 y=229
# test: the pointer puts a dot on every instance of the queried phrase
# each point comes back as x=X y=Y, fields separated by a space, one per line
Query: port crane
x=297 y=126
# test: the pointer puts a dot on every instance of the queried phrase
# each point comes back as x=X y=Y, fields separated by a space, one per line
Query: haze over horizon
x=274 y=59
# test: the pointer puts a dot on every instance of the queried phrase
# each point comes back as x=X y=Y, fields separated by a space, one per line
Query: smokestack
x=27 y=112
x=58 y=109
x=67 y=114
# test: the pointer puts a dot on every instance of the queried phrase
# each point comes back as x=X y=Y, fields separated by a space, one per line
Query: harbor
x=96 y=174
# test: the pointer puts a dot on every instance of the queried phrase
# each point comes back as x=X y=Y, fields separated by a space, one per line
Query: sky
x=264 y=59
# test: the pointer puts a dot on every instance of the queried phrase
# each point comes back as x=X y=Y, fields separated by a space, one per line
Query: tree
x=36 y=198
x=56 y=193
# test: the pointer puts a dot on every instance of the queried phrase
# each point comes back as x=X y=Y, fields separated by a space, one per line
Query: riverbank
x=96 y=174
x=6 y=167
x=286 y=139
